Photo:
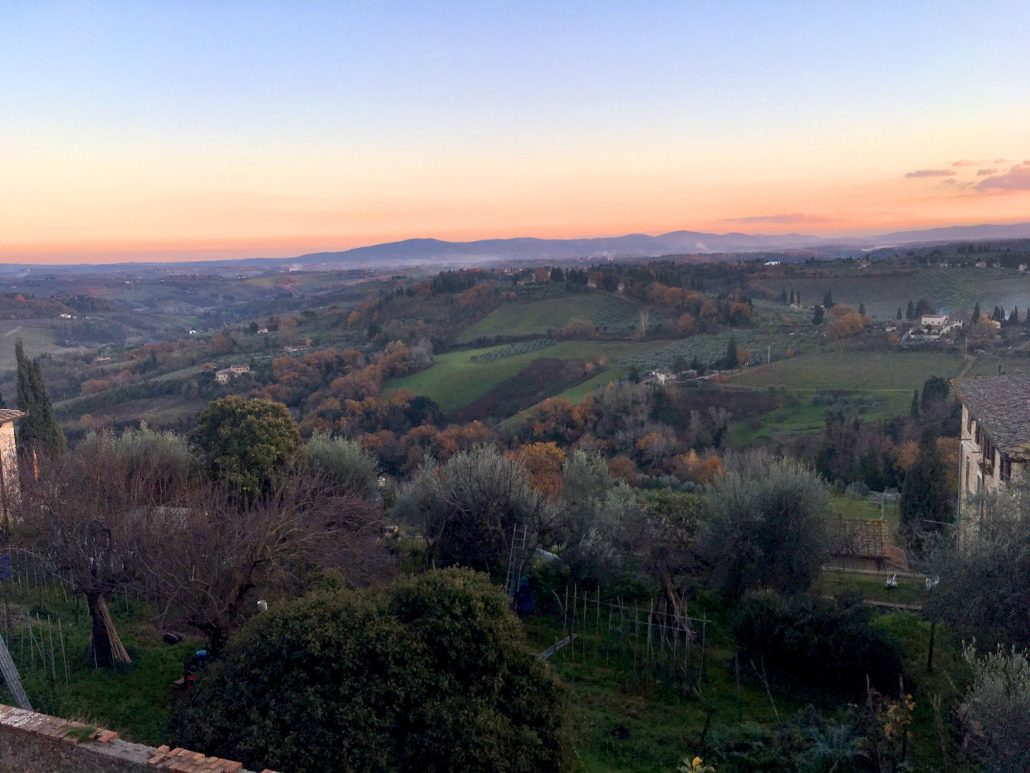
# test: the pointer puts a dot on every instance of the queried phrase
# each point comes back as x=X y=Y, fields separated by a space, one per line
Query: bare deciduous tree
x=79 y=513
x=212 y=558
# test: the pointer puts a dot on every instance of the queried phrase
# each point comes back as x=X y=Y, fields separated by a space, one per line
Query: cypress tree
x=899 y=313
x=39 y=430
x=924 y=493
x=910 y=312
x=732 y=360
x=914 y=409
x=976 y=313
x=861 y=309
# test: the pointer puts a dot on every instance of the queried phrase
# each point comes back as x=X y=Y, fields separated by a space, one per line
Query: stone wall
x=37 y=743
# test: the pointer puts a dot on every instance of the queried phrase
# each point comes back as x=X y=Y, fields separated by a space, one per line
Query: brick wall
x=37 y=743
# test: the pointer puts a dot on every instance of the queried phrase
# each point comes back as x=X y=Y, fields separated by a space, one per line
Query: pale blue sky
x=635 y=96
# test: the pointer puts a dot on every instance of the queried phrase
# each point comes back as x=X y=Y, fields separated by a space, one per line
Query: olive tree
x=995 y=712
x=768 y=525
x=468 y=508
x=344 y=465
x=983 y=590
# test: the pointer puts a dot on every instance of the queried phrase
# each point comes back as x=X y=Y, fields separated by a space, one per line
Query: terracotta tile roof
x=862 y=539
x=1001 y=406
x=9 y=414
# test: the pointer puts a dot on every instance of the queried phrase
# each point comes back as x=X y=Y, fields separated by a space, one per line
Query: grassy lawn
x=133 y=699
x=609 y=312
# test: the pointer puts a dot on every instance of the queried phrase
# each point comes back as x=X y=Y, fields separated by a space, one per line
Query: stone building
x=10 y=486
x=995 y=446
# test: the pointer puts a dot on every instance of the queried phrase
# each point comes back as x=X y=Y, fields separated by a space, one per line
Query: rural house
x=939 y=324
x=995 y=445
x=225 y=375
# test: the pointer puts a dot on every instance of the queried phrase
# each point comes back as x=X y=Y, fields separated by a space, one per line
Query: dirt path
x=965 y=368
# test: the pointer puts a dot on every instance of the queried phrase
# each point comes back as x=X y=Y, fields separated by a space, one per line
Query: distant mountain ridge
x=412 y=251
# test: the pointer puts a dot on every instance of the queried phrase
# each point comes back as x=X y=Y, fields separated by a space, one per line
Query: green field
x=456 y=379
x=609 y=312
x=873 y=384
x=36 y=335
x=881 y=371
x=948 y=289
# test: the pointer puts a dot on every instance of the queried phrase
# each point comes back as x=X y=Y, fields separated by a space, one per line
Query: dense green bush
x=244 y=443
x=817 y=643
x=432 y=675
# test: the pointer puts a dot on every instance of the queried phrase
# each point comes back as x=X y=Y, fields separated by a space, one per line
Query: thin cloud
x=784 y=217
x=1016 y=178
x=966 y=163
x=985 y=172
x=931 y=173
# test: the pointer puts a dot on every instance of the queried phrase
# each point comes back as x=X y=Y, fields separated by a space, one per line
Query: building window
x=1006 y=468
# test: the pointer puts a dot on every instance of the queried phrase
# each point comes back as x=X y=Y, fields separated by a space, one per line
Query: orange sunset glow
x=120 y=146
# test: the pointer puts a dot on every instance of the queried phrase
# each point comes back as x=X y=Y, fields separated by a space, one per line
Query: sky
x=169 y=130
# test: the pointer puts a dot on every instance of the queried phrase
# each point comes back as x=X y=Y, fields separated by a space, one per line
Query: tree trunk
x=105 y=644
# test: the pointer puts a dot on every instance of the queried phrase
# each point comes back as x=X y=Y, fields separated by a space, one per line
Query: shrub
x=432 y=675
x=817 y=643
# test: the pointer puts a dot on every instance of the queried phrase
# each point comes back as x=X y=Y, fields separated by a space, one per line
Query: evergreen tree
x=39 y=431
x=817 y=315
x=791 y=297
x=783 y=296
x=797 y=298
x=976 y=314
x=732 y=359
x=925 y=499
x=910 y=312
x=828 y=299
x=861 y=309
x=899 y=313
x=999 y=314
x=1014 y=316
x=914 y=409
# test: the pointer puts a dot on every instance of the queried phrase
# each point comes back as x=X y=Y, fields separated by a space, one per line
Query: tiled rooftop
x=1001 y=405
x=9 y=414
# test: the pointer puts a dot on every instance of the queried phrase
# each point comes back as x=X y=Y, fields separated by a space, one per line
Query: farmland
x=884 y=292
x=609 y=312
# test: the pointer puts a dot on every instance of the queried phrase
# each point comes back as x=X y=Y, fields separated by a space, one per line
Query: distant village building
x=661 y=377
x=938 y=324
x=995 y=447
x=10 y=484
x=225 y=375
